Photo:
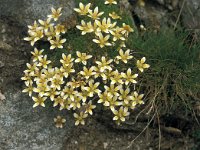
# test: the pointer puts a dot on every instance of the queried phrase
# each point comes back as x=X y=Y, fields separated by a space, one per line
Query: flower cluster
x=47 y=29
x=82 y=81
x=105 y=30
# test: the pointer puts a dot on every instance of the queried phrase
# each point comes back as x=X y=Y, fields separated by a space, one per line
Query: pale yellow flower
x=59 y=121
x=129 y=77
x=92 y=88
x=112 y=103
x=34 y=36
x=80 y=118
x=124 y=95
x=117 y=34
x=76 y=83
x=66 y=104
x=50 y=72
x=43 y=62
x=83 y=10
x=66 y=70
x=120 y=114
x=89 y=107
x=31 y=69
x=39 y=101
x=112 y=90
x=32 y=39
x=98 y=73
x=37 y=54
x=87 y=73
x=34 y=27
x=68 y=92
x=27 y=77
x=103 y=97
x=113 y=15
x=41 y=89
x=29 y=88
x=137 y=99
x=116 y=78
x=102 y=41
x=56 y=81
x=141 y=64
x=75 y=102
x=82 y=57
x=57 y=42
x=66 y=60
x=58 y=101
x=51 y=33
x=104 y=64
x=105 y=25
x=83 y=94
x=110 y=2
x=55 y=13
x=106 y=75
x=85 y=27
x=60 y=29
x=124 y=56
x=45 y=24
x=52 y=93
x=41 y=79
x=126 y=29
x=95 y=14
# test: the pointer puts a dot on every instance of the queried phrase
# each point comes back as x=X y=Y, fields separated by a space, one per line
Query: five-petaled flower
x=39 y=101
x=141 y=64
x=83 y=10
x=82 y=57
x=80 y=118
x=124 y=56
x=85 y=27
x=59 y=121
x=129 y=77
x=102 y=41
x=95 y=14
x=57 y=42
x=55 y=13
x=113 y=15
x=120 y=114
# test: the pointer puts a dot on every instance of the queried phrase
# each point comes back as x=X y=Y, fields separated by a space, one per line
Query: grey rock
x=191 y=14
x=162 y=2
x=169 y=4
x=26 y=11
x=2 y=64
x=25 y=128
x=152 y=16
x=21 y=126
x=4 y=46
x=191 y=17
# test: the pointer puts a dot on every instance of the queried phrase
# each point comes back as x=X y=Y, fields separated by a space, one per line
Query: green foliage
x=175 y=68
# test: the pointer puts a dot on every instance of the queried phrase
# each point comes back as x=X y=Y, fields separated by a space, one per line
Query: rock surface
x=26 y=11
x=165 y=13
x=23 y=128
x=191 y=14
